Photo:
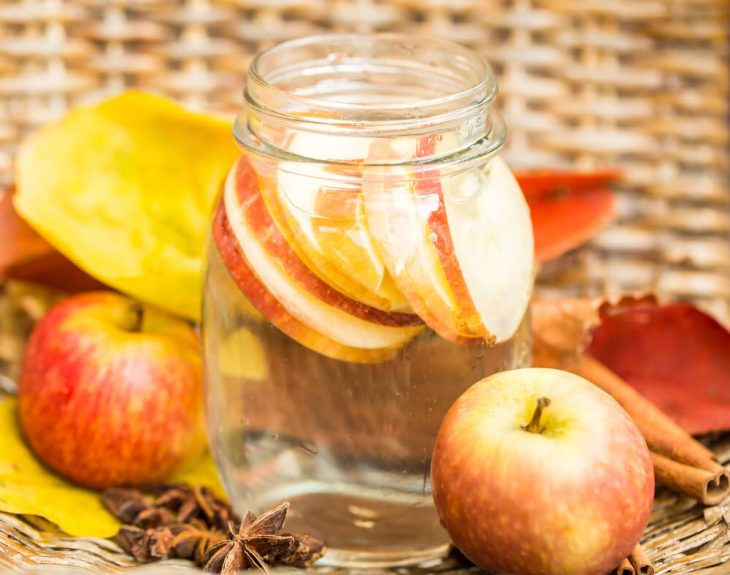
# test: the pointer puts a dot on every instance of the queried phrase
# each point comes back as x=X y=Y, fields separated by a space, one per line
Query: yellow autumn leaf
x=29 y=488
x=124 y=190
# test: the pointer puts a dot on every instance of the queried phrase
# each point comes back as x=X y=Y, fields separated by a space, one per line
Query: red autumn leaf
x=563 y=222
x=567 y=208
x=538 y=183
x=675 y=355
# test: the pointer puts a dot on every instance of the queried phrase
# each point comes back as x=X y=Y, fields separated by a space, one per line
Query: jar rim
x=344 y=88
x=483 y=88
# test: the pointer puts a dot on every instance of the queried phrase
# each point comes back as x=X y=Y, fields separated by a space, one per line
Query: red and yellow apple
x=111 y=391
x=539 y=472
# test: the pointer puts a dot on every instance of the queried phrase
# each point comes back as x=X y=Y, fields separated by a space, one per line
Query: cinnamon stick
x=706 y=486
x=640 y=562
x=662 y=435
x=625 y=568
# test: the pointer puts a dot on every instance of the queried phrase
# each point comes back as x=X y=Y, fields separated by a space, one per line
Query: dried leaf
x=540 y=183
x=20 y=242
x=567 y=208
x=27 y=487
x=562 y=328
x=28 y=257
x=124 y=503
x=675 y=355
x=159 y=166
x=562 y=223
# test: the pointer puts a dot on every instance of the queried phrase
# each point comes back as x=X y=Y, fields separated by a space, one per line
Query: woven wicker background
x=642 y=84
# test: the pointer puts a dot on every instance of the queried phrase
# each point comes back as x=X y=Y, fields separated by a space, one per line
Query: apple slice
x=491 y=232
x=244 y=203
x=404 y=241
x=252 y=288
x=326 y=224
x=290 y=282
x=459 y=247
x=342 y=234
x=432 y=211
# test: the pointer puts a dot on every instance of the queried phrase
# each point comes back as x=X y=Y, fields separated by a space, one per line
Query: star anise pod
x=145 y=545
x=193 y=541
x=125 y=504
x=257 y=540
x=306 y=551
x=159 y=542
x=132 y=507
x=154 y=517
x=131 y=540
x=172 y=496
x=191 y=523
x=198 y=502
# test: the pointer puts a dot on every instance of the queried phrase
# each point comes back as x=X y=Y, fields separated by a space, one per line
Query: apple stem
x=138 y=312
x=534 y=425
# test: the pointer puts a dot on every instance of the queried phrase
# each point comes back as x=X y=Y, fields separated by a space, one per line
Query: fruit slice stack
x=351 y=262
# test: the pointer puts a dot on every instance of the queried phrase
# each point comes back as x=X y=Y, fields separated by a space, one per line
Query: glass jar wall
x=370 y=257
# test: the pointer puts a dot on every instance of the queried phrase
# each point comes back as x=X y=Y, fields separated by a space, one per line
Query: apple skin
x=259 y=219
x=572 y=500
x=111 y=392
x=264 y=302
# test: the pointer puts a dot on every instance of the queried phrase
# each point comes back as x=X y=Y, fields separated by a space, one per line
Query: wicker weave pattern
x=586 y=83
x=681 y=539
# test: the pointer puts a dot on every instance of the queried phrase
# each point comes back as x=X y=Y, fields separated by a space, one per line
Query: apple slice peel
x=403 y=240
x=268 y=305
x=429 y=189
x=336 y=323
x=459 y=248
x=493 y=244
x=330 y=232
x=246 y=203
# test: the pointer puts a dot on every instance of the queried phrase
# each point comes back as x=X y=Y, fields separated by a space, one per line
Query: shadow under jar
x=370 y=258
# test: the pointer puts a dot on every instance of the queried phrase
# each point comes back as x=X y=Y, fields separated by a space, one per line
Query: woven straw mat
x=639 y=84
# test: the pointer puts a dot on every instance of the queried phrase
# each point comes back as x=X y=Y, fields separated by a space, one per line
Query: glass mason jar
x=370 y=258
